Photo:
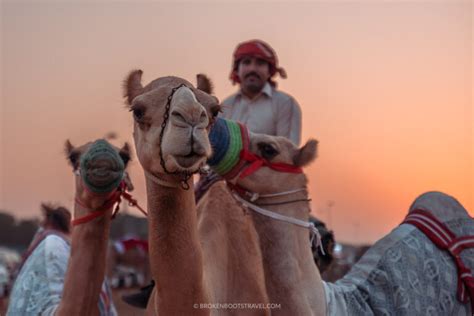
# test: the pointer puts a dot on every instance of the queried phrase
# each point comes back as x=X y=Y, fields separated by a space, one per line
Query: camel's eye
x=268 y=151
x=215 y=110
x=138 y=114
x=74 y=156
x=125 y=157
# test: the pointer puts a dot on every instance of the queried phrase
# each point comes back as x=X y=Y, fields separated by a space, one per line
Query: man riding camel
x=258 y=104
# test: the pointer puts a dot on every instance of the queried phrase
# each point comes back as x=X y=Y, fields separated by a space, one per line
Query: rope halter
x=113 y=198
x=279 y=217
x=95 y=183
x=257 y=162
x=185 y=176
x=233 y=160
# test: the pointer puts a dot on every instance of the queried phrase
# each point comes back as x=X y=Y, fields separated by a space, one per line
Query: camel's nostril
x=192 y=116
x=178 y=116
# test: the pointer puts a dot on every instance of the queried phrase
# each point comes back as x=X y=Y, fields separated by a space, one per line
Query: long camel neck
x=176 y=259
x=86 y=267
x=291 y=276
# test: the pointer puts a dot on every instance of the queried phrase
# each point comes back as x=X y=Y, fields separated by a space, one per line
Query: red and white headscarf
x=256 y=48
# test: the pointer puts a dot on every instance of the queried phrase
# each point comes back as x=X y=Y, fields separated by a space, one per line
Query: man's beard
x=253 y=87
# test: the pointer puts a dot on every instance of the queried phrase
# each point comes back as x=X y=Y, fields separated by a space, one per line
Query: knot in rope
x=115 y=198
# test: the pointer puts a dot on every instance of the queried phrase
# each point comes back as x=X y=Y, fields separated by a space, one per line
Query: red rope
x=114 y=198
x=257 y=162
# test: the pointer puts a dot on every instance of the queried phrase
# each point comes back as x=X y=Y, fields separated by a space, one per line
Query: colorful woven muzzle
x=227 y=138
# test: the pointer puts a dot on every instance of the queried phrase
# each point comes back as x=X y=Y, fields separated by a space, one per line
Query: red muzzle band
x=256 y=162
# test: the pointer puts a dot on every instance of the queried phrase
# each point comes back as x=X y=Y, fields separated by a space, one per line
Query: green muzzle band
x=101 y=167
x=232 y=156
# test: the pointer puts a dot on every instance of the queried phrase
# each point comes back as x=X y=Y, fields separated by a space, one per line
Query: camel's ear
x=72 y=154
x=132 y=85
x=125 y=154
x=306 y=154
x=204 y=83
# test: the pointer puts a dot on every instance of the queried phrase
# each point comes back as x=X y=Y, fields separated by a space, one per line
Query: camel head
x=278 y=150
x=171 y=122
x=257 y=162
x=107 y=167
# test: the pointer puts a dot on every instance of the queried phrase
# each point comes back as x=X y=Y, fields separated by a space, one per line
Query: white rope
x=313 y=230
x=165 y=183
x=256 y=196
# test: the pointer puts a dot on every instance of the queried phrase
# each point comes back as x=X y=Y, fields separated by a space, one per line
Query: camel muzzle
x=101 y=167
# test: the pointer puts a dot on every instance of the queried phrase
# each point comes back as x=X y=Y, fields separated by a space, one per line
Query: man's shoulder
x=230 y=99
x=284 y=100
x=55 y=243
x=282 y=97
x=52 y=247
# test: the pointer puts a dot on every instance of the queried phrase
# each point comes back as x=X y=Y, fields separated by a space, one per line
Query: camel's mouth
x=186 y=151
x=101 y=167
x=103 y=171
x=190 y=162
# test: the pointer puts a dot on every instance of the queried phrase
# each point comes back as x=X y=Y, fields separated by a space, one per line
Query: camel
x=291 y=277
x=170 y=132
x=86 y=268
x=389 y=279
x=224 y=225
x=73 y=279
x=194 y=261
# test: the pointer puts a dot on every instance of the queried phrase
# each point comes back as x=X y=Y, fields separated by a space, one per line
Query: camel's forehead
x=204 y=98
x=159 y=89
x=167 y=82
x=163 y=86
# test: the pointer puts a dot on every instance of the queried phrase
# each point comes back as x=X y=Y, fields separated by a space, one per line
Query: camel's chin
x=188 y=164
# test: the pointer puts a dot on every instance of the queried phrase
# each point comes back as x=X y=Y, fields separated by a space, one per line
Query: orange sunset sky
x=385 y=86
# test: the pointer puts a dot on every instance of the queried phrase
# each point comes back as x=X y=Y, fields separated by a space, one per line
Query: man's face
x=253 y=73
